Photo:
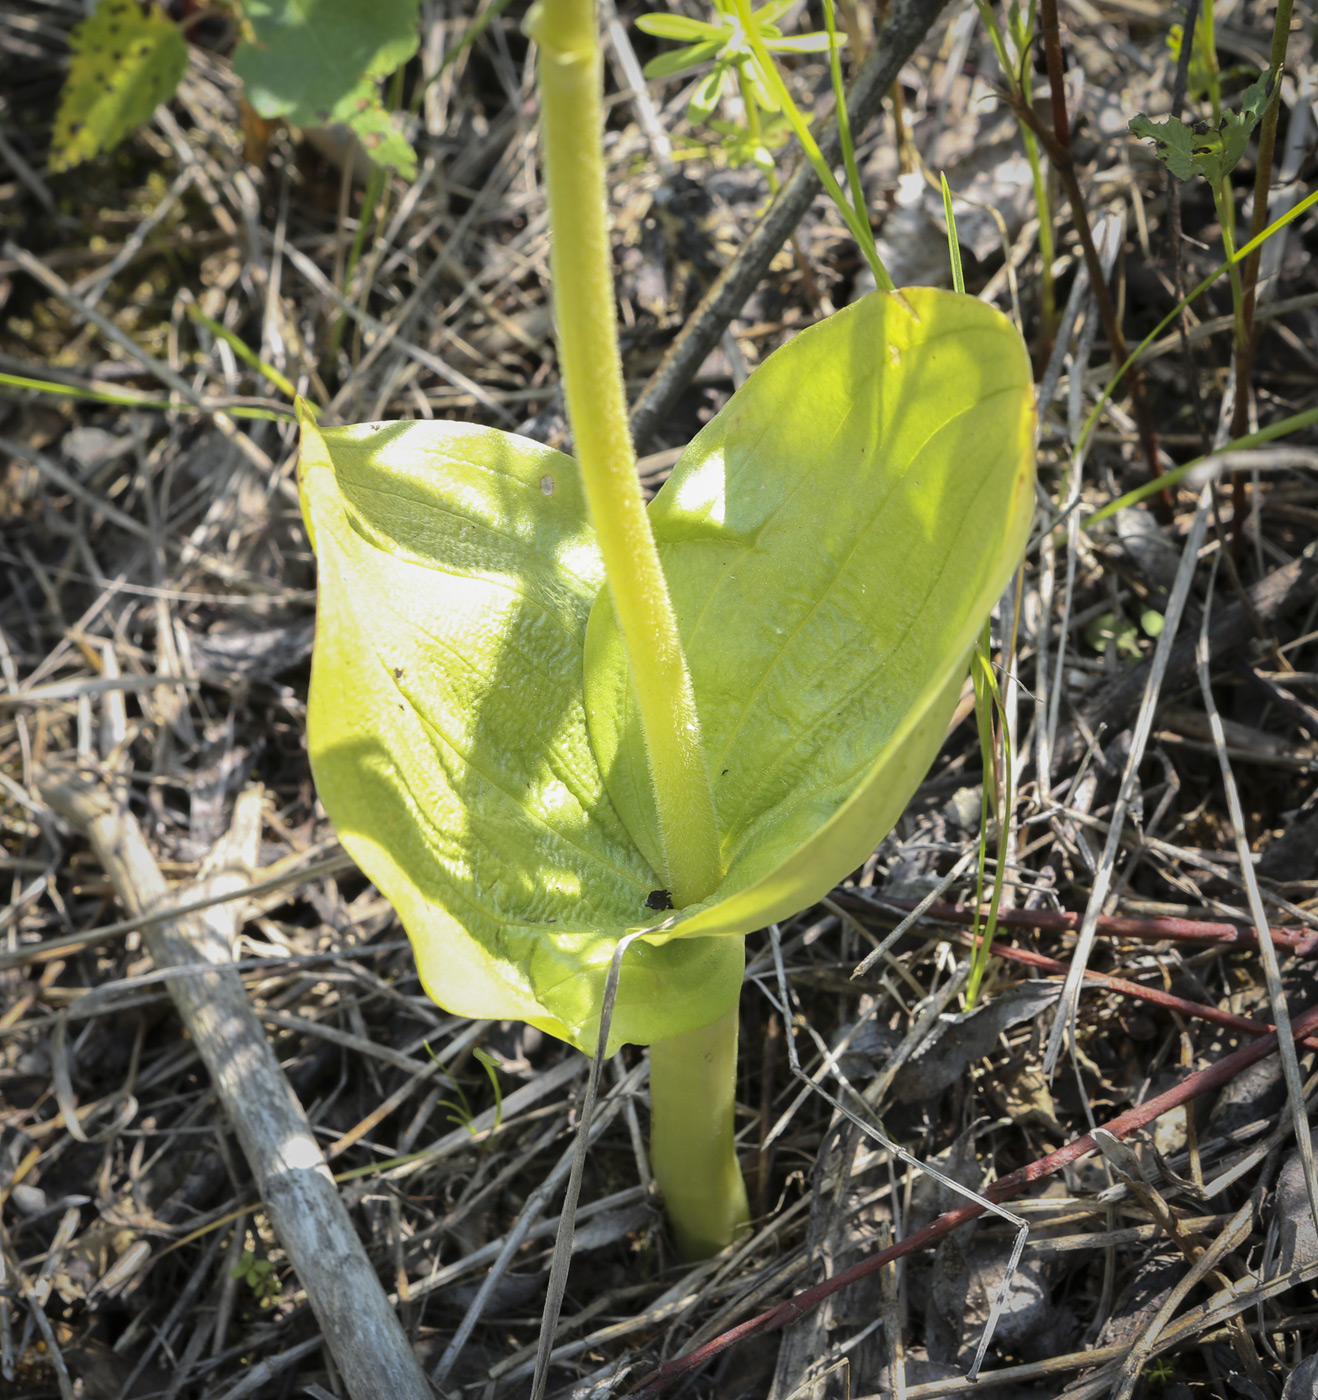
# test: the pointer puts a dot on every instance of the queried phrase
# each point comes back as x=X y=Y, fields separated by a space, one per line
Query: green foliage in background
x=312 y=62
x=317 y=62
x=125 y=62
x=724 y=41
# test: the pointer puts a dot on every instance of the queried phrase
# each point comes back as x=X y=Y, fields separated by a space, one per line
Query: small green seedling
x=1212 y=150
x=545 y=719
x=259 y=1275
x=1111 y=631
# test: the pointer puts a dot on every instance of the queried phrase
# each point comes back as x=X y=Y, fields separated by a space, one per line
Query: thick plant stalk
x=694 y=1076
x=693 y=1081
x=571 y=125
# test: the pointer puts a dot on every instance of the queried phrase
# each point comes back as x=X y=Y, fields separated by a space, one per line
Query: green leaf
x=126 y=62
x=447 y=734
x=707 y=94
x=1200 y=149
x=771 y=13
x=804 y=43
x=315 y=62
x=679 y=27
x=833 y=542
x=681 y=59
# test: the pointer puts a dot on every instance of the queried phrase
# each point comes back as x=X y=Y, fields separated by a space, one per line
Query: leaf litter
x=168 y=662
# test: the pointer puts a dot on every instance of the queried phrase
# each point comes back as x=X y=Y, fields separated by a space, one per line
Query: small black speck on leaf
x=726 y=770
x=658 y=899
x=398 y=673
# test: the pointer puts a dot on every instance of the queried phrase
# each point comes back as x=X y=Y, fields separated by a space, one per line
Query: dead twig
x=363 y=1334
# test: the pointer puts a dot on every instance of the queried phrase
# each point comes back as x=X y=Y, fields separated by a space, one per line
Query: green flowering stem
x=693 y=1082
x=572 y=121
x=693 y=1077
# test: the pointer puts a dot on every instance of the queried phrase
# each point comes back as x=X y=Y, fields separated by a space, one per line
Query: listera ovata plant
x=544 y=717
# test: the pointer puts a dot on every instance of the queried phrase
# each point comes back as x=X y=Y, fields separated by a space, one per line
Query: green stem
x=572 y=123
x=856 y=221
x=693 y=1081
x=1226 y=218
x=1047 y=253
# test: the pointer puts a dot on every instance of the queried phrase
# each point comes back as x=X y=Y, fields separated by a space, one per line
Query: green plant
x=1015 y=61
x=725 y=42
x=545 y=719
x=1213 y=150
x=259 y=1275
x=312 y=62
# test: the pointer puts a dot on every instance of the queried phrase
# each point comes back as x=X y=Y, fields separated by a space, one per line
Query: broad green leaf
x=126 y=62
x=448 y=739
x=309 y=62
x=833 y=542
x=1200 y=149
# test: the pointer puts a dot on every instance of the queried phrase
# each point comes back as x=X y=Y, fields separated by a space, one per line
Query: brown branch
x=1137 y=991
x=1151 y=929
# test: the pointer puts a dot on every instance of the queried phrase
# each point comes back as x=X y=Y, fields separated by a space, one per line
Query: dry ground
x=156 y=606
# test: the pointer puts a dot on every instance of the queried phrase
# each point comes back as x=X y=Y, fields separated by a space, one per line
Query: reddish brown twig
x=1138 y=991
x=1155 y=929
x=1003 y=1189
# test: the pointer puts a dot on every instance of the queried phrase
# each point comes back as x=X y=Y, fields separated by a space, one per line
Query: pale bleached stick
x=369 y=1346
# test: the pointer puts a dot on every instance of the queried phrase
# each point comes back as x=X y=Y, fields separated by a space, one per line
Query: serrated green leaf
x=833 y=542
x=447 y=735
x=126 y=61
x=1200 y=149
x=1172 y=143
x=314 y=62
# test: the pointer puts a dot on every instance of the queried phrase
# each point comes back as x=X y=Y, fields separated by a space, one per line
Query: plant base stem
x=693 y=1083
